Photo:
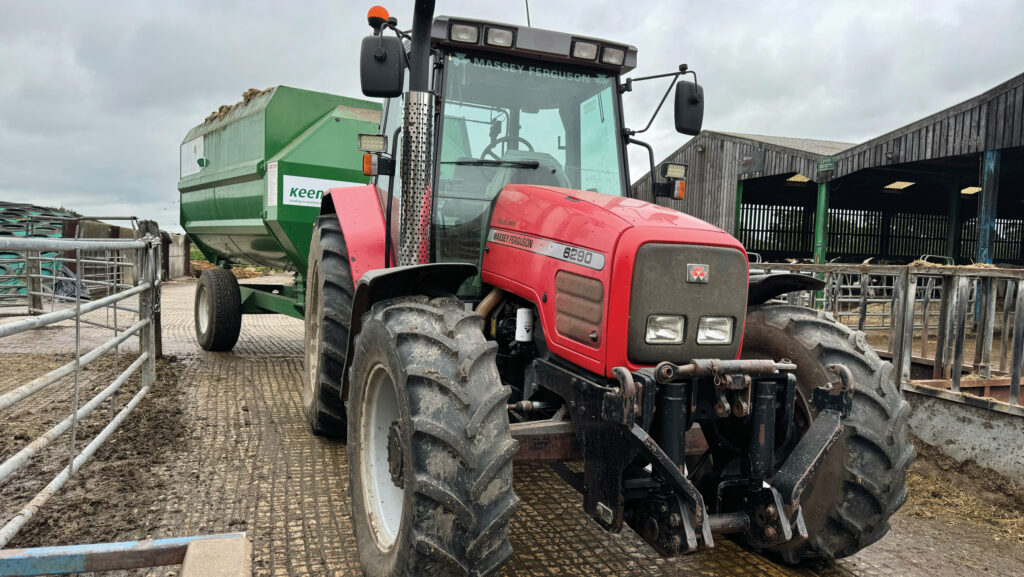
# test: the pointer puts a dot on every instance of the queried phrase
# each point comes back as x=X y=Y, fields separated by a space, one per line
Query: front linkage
x=632 y=438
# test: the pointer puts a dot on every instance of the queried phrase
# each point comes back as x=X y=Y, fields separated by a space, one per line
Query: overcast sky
x=96 y=97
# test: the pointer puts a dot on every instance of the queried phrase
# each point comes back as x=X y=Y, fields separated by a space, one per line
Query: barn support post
x=987 y=206
x=821 y=223
x=953 y=222
x=739 y=205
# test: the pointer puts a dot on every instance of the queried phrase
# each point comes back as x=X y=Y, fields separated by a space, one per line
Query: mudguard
x=765 y=287
x=360 y=213
x=384 y=283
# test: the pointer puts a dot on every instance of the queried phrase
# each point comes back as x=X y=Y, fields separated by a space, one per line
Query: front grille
x=660 y=287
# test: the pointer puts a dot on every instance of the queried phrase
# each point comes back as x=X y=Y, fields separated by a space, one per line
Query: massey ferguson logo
x=697 y=273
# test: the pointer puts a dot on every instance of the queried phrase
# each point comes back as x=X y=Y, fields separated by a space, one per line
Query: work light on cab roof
x=532 y=42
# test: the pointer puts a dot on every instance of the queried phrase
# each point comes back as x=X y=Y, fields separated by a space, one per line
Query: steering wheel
x=489 y=149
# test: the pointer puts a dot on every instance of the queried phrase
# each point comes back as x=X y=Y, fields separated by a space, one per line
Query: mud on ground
x=109 y=498
x=978 y=495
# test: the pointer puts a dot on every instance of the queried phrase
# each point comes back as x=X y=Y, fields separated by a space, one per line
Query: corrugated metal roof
x=819 y=147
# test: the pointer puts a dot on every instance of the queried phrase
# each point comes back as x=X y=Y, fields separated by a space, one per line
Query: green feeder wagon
x=252 y=179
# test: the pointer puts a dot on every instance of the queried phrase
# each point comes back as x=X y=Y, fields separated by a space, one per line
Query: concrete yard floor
x=221 y=446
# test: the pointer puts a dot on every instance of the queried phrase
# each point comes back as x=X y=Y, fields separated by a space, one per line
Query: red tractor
x=497 y=296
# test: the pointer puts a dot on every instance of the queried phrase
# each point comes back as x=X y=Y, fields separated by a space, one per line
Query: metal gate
x=120 y=293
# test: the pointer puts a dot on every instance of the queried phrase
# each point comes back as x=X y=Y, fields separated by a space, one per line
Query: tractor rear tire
x=430 y=450
x=852 y=495
x=329 y=293
x=217 y=310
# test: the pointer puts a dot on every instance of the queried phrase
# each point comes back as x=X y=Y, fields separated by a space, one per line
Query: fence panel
x=953 y=317
x=100 y=275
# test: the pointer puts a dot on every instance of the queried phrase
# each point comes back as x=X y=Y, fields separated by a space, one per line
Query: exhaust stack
x=417 y=145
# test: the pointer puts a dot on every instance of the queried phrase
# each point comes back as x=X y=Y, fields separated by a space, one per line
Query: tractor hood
x=641 y=213
x=594 y=220
x=596 y=266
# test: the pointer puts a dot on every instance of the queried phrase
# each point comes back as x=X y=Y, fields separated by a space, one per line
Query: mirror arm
x=628 y=87
x=674 y=76
x=650 y=154
x=682 y=70
x=392 y=25
x=694 y=77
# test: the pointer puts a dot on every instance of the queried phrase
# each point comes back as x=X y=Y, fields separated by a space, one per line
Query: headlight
x=613 y=56
x=499 y=37
x=714 y=331
x=665 y=330
x=584 y=50
x=464 y=33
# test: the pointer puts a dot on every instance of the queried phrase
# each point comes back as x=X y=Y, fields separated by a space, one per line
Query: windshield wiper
x=485 y=162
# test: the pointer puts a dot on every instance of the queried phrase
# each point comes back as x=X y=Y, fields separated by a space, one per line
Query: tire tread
x=327 y=415
x=454 y=390
x=878 y=447
x=226 y=321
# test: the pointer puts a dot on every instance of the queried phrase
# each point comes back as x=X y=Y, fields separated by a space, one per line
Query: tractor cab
x=511 y=105
x=506 y=120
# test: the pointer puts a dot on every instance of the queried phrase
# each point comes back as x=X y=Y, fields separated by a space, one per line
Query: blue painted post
x=987 y=199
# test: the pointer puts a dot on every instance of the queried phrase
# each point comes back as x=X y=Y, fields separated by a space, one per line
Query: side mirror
x=689 y=107
x=382 y=66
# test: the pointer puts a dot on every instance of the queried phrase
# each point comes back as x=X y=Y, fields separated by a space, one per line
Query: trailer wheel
x=430 y=450
x=329 y=296
x=852 y=495
x=218 y=310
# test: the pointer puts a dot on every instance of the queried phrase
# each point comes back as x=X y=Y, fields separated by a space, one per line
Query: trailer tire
x=218 y=310
x=852 y=495
x=329 y=293
x=430 y=449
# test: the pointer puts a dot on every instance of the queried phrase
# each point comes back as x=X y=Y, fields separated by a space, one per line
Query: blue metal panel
x=99 y=556
x=987 y=205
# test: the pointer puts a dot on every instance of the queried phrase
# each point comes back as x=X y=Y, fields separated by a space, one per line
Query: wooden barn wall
x=994 y=120
x=712 y=175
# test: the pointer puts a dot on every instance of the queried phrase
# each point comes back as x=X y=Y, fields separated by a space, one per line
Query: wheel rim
x=381 y=497
x=204 y=310
x=312 y=349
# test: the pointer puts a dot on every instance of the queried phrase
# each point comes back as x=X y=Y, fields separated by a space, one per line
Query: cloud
x=95 y=102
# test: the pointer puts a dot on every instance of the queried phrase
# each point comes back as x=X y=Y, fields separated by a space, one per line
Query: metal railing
x=961 y=320
x=98 y=267
x=105 y=267
x=109 y=294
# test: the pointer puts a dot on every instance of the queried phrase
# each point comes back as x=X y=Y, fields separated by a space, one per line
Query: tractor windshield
x=507 y=121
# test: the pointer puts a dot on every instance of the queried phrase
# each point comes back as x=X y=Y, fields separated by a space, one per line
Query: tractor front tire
x=329 y=293
x=217 y=310
x=430 y=450
x=861 y=483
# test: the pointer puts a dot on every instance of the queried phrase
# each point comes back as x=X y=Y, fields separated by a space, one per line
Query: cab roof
x=536 y=43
